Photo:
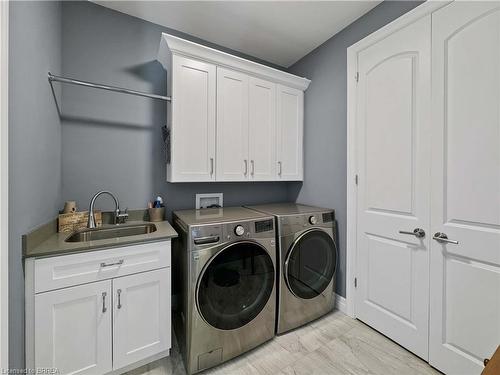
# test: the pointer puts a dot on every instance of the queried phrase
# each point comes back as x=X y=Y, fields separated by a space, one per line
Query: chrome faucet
x=118 y=217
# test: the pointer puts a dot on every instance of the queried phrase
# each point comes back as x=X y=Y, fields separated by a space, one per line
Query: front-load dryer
x=224 y=280
x=307 y=258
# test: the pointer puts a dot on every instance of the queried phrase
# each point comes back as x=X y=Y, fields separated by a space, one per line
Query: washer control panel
x=207 y=235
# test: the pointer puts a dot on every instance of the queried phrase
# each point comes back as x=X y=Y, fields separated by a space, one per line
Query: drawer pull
x=104 y=309
x=119 y=263
x=119 y=292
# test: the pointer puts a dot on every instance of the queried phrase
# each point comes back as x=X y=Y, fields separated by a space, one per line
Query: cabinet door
x=465 y=275
x=232 y=125
x=193 y=121
x=290 y=117
x=141 y=316
x=73 y=329
x=262 y=130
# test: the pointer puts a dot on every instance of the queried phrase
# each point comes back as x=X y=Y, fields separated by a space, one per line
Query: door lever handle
x=442 y=237
x=417 y=232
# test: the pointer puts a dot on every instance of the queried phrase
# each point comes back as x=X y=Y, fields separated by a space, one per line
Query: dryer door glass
x=310 y=264
x=235 y=285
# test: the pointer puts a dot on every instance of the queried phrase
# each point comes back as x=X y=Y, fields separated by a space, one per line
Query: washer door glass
x=236 y=285
x=310 y=264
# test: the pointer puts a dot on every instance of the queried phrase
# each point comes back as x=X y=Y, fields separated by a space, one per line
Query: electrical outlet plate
x=209 y=199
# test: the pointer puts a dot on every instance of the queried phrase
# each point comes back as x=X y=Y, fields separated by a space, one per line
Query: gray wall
x=34 y=142
x=113 y=141
x=325 y=131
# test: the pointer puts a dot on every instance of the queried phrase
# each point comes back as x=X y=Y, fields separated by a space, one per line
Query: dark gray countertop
x=45 y=241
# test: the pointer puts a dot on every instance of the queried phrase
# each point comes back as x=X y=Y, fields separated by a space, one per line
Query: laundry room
x=250 y=187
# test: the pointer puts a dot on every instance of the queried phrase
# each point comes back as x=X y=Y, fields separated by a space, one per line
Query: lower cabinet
x=73 y=329
x=140 y=309
x=104 y=326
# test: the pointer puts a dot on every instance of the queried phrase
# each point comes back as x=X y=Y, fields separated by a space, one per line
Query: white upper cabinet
x=262 y=130
x=232 y=125
x=230 y=119
x=290 y=121
x=192 y=153
x=246 y=127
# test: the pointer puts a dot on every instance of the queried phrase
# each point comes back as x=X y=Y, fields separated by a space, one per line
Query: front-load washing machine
x=307 y=259
x=224 y=282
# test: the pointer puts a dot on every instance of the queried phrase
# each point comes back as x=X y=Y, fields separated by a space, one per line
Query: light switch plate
x=209 y=199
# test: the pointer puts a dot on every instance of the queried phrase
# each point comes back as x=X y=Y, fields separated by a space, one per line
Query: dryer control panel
x=295 y=223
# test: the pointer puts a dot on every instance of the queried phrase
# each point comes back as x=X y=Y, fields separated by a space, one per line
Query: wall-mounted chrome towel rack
x=53 y=78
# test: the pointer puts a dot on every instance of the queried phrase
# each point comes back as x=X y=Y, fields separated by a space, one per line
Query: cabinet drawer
x=66 y=270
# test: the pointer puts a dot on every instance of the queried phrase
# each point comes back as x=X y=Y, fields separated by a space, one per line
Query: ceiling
x=280 y=32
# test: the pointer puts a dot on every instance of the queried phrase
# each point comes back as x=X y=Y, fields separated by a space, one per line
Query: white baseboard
x=340 y=303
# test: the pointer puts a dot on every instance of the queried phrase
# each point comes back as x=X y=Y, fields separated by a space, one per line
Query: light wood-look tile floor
x=334 y=344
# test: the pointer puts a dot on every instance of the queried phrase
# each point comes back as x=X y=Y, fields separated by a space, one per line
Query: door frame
x=352 y=192
x=4 y=186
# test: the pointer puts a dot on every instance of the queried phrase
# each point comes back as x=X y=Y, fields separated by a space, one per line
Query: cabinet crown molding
x=170 y=44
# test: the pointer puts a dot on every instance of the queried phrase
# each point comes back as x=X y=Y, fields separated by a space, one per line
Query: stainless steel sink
x=93 y=234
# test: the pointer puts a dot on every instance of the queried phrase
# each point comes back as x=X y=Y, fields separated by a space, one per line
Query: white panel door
x=73 y=329
x=465 y=277
x=262 y=130
x=290 y=127
x=141 y=316
x=232 y=125
x=193 y=121
x=393 y=147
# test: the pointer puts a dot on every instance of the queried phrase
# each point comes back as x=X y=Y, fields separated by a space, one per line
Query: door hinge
x=356 y=76
x=355 y=282
x=356 y=179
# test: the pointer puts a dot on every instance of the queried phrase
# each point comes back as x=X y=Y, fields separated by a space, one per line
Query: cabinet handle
x=253 y=167
x=104 y=309
x=119 y=263
x=211 y=166
x=279 y=168
x=119 y=291
x=246 y=166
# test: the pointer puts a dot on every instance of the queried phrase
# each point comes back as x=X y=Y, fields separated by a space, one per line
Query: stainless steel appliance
x=224 y=278
x=307 y=259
